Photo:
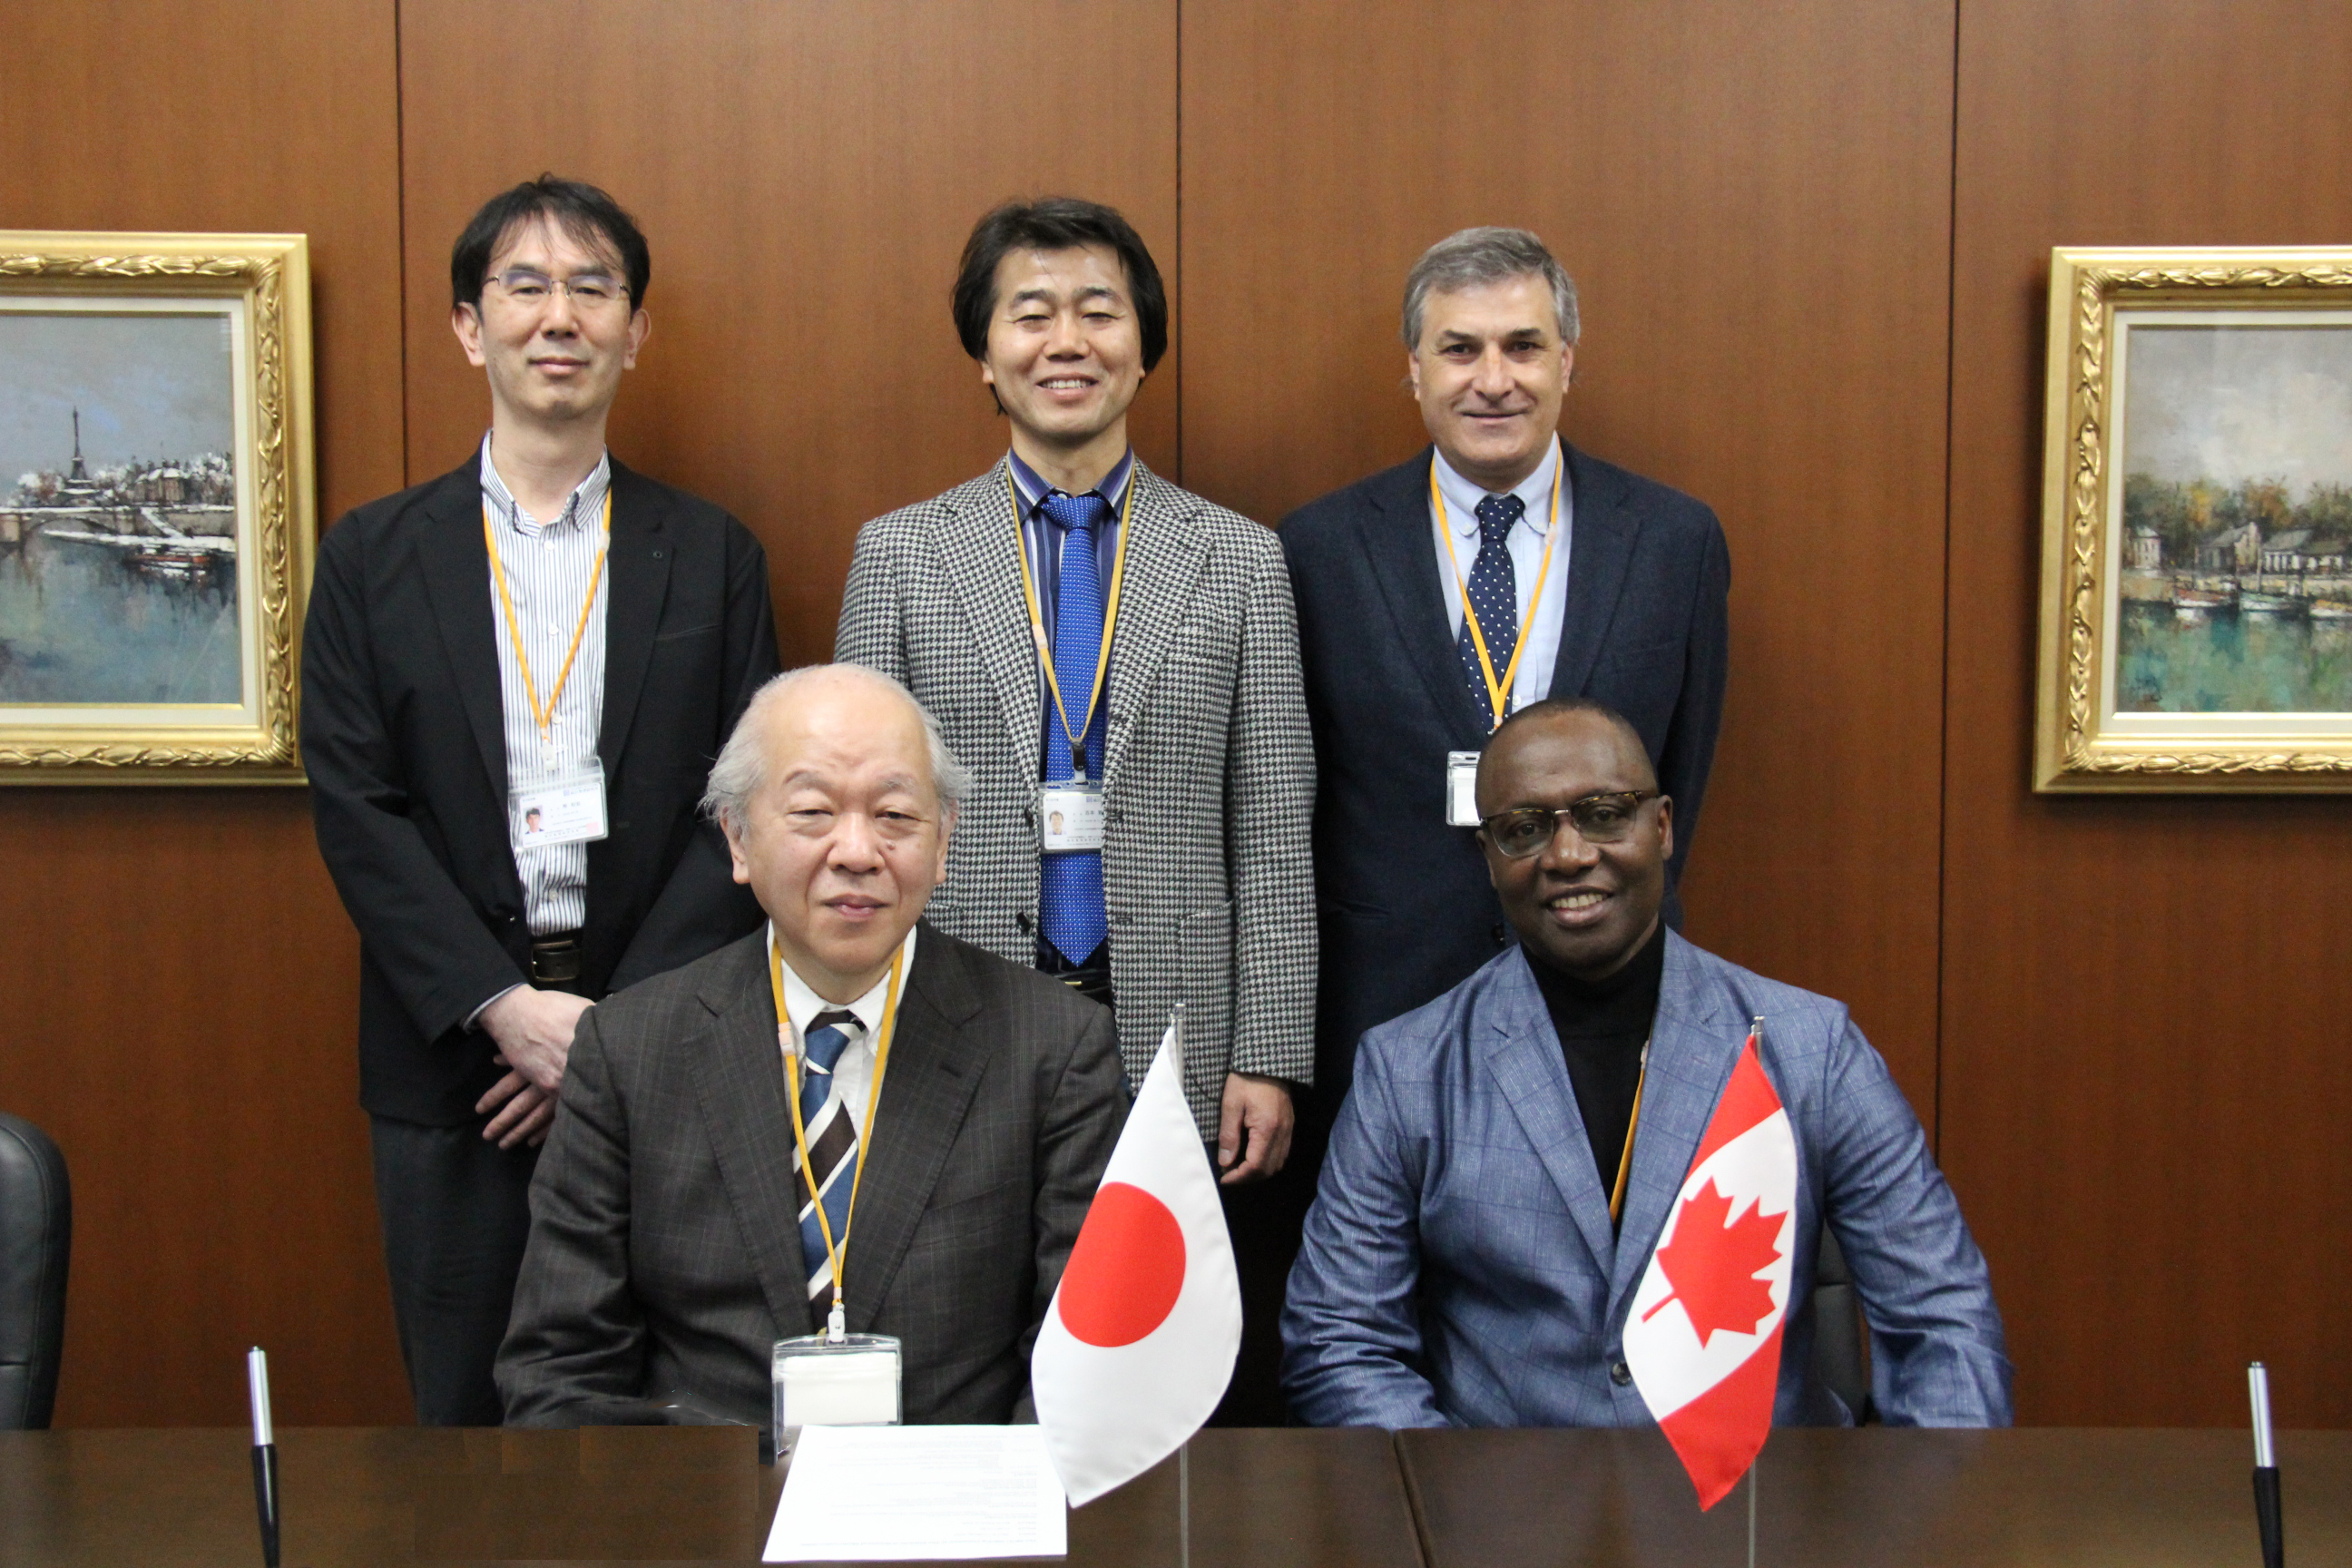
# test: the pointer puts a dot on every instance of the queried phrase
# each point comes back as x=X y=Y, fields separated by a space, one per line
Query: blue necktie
x=831 y=1130
x=1495 y=595
x=1070 y=882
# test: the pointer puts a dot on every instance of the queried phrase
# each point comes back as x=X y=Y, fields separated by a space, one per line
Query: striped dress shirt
x=549 y=568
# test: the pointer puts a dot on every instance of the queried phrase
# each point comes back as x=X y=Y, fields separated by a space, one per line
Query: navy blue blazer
x=1459 y=1268
x=1404 y=905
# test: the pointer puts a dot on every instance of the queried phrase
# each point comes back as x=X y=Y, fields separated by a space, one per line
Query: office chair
x=36 y=1243
x=1840 y=1339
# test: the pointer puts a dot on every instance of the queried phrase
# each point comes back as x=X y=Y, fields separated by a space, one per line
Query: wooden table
x=1260 y=1500
x=1271 y=1499
x=1858 y=1499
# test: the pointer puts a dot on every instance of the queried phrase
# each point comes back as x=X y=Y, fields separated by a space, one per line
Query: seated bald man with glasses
x=1493 y=1192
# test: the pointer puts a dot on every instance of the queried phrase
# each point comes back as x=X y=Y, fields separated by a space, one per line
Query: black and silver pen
x=2266 y=1476
x=265 y=1454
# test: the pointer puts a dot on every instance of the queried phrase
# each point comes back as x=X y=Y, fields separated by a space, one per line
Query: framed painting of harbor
x=2196 y=522
x=156 y=512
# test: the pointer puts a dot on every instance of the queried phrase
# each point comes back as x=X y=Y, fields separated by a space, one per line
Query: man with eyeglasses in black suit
x=542 y=645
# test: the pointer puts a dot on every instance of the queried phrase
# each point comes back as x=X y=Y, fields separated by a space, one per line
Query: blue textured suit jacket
x=1459 y=1268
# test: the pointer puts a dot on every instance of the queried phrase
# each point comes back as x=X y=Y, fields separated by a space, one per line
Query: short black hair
x=1054 y=223
x=579 y=209
x=1560 y=707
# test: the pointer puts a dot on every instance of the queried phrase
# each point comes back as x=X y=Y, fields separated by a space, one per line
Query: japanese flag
x=1703 y=1338
x=1140 y=1342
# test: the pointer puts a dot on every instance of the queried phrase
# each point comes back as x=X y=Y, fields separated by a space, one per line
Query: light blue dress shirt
x=1462 y=497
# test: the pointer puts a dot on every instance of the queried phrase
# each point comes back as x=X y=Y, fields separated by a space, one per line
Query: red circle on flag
x=1126 y=1271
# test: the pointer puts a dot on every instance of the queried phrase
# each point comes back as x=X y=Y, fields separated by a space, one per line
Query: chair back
x=36 y=1245
x=1840 y=1339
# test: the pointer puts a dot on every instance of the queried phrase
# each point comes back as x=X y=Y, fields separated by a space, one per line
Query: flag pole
x=1184 y=1505
x=1184 y=1453
x=1752 y=1464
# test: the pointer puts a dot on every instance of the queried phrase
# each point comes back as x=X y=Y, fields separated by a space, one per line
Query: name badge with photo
x=1070 y=814
x=1461 y=789
x=562 y=808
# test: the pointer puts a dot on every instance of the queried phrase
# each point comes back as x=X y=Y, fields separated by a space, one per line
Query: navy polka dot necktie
x=1495 y=595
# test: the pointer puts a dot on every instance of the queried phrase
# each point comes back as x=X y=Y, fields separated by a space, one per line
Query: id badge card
x=1461 y=789
x=565 y=807
x=1070 y=814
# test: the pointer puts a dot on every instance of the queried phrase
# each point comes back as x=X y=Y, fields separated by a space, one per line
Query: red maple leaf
x=1713 y=1263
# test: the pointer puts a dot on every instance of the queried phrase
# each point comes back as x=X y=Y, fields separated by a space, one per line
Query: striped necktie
x=832 y=1146
x=1070 y=909
x=1495 y=595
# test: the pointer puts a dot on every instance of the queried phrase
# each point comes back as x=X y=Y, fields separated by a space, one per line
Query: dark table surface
x=1273 y=1498
x=2050 y=1496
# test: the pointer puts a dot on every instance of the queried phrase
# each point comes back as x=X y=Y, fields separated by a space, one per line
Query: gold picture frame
x=155 y=550
x=2196 y=522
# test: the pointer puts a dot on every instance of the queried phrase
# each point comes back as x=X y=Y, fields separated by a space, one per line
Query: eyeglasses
x=589 y=291
x=1599 y=818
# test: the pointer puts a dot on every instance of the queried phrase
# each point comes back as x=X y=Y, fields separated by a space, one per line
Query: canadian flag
x=1140 y=1342
x=1703 y=1337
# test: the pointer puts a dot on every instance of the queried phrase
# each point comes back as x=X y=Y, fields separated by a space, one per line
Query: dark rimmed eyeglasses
x=1599 y=819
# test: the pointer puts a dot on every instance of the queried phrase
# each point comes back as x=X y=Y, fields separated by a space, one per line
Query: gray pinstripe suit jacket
x=665 y=1253
x=1209 y=777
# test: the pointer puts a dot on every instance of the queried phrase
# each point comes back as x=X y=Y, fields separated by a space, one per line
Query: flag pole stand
x=1752 y=1464
x=1184 y=1506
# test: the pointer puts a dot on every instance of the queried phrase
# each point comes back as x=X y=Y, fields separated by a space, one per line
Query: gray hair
x=1474 y=256
x=741 y=770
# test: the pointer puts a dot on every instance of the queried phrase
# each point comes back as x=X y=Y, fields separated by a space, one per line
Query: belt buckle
x=555 y=963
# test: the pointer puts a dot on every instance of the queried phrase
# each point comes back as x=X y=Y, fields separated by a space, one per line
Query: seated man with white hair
x=673 y=1237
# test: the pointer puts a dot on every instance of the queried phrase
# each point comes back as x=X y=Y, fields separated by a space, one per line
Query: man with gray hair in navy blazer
x=1498 y=568
x=1508 y=1155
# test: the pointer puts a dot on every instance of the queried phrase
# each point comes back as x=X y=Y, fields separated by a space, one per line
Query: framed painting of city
x=2196 y=522
x=156 y=515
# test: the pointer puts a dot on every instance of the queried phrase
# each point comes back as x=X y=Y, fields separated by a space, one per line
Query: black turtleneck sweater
x=1603 y=1024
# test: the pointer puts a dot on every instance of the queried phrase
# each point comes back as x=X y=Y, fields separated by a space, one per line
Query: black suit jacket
x=1407 y=912
x=665 y=1254
x=403 y=740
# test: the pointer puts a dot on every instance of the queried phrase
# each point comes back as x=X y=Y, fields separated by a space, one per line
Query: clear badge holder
x=823 y=1382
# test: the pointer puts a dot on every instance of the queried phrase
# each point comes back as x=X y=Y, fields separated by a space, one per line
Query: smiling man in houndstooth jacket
x=1116 y=661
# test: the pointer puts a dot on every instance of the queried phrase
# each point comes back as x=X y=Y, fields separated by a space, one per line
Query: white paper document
x=891 y=1493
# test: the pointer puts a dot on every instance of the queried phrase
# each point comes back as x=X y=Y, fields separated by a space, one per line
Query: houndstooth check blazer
x=1208 y=778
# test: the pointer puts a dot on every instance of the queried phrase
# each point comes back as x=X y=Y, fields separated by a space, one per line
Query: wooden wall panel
x=806 y=173
x=1754 y=203
x=178 y=985
x=2146 y=1083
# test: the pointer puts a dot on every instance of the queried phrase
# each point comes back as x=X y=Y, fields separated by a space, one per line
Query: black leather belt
x=555 y=960
x=1091 y=980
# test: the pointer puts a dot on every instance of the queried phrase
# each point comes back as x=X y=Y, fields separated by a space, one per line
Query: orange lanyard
x=837 y=1253
x=1497 y=691
x=1077 y=737
x=1632 y=1124
x=543 y=713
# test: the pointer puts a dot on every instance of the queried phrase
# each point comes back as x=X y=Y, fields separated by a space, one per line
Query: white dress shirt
x=550 y=569
x=854 y=1073
x=1533 y=682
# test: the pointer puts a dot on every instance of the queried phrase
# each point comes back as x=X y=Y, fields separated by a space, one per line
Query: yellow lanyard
x=1497 y=691
x=1633 y=1123
x=1077 y=737
x=543 y=713
x=837 y=1253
